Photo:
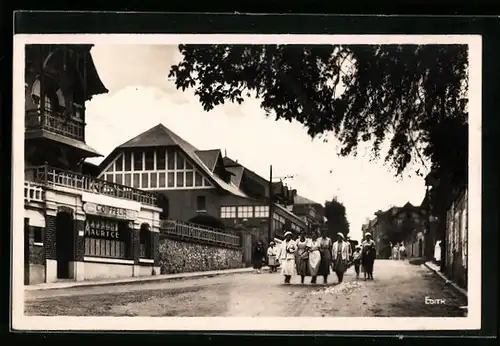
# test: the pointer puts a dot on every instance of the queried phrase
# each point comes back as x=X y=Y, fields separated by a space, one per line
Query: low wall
x=182 y=256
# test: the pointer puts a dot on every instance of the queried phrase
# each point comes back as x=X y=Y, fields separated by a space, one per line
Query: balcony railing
x=33 y=192
x=193 y=231
x=57 y=177
x=37 y=119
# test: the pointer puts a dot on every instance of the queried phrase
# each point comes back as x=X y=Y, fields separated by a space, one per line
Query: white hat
x=288 y=233
x=340 y=235
x=368 y=234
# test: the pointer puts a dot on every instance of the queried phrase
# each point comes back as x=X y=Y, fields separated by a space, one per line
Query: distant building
x=398 y=225
x=311 y=212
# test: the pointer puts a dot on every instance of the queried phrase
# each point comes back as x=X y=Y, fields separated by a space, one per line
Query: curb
x=446 y=280
x=146 y=279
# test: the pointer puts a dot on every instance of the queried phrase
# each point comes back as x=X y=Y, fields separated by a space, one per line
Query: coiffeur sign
x=108 y=211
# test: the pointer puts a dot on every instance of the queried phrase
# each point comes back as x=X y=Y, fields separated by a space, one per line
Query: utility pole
x=270 y=221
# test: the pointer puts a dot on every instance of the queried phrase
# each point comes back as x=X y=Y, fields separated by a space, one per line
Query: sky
x=141 y=96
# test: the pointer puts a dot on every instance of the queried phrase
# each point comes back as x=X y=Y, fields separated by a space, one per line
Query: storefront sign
x=101 y=228
x=108 y=211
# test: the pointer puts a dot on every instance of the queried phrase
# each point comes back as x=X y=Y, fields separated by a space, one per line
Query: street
x=398 y=290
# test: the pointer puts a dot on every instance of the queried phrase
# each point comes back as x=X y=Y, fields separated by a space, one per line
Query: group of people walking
x=315 y=256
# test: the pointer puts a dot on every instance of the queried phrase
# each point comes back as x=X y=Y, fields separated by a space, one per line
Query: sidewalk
x=435 y=268
x=134 y=280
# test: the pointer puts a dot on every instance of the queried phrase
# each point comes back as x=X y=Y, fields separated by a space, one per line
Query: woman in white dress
x=272 y=260
x=314 y=256
x=287 y=257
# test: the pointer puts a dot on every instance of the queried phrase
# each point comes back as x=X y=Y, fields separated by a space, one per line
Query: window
x=109 y=177
x=189 y=166
x=262 y=211
x=171 y=178
x=161 y=180
x=128 y=179
x=119 y=178
x=180 y=179
x=160 y=159
x=179 y=161
x=111 y=167
x=137 y=178
x=228 y=212
x=201 y=203
x=189 y=179
x=145 y=180
x=154 y=180
x=149 y=160
x=206 y=182
x=38 y=235
x=170 y=159
x=245 y=212
x=105 y=238
x=198 y=179
x=278 y=222
x=138 y=161
x=128 y=161
x=119 y=163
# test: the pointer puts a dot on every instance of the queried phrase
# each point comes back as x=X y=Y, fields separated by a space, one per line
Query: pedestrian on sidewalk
x=272 y=257
x=259 y=256
x=302 y=256
x=368 y=256
x=356 y=259
x=402 y=252
x=314 y=256
x=287 y=257
x=341 y=252
x=325 y=249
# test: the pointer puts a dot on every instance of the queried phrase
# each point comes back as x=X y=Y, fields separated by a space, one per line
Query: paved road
x=399 y=289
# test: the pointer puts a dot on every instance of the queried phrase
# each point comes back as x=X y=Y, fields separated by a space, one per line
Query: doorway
x=420 y=248
x=64 y=243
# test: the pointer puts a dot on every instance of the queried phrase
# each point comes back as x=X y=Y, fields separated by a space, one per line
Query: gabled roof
x=209 y=157
x=159 y=136
x=237 y=174
x=228 y=162
x=302 y=200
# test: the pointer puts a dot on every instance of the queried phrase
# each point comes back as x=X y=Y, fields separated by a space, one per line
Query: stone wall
x=182 y=256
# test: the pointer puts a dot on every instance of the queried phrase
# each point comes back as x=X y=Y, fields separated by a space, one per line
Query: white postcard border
x=472 y=321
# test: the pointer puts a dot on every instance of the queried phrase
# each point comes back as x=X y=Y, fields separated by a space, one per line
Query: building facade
x=398 y=225
x=76 y=227
x=311 y=212
x=197 y=186
x=456 y=256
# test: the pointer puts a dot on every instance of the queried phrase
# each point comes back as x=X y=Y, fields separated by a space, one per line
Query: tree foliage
x=335 y=214
x=407 y=94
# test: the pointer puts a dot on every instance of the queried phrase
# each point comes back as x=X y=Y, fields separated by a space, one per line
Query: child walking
x=356 y=259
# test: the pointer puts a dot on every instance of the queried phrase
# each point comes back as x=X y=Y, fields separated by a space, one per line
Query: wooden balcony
x=33 y=192
x=37 y=119
x=197 y=232
x=50 y=176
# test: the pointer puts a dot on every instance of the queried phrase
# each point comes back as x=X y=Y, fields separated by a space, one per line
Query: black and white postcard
x=246 y=182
